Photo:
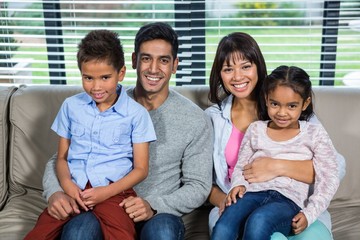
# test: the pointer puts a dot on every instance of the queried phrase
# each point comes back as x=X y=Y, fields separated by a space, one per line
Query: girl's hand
x=93 y=196
x=299 y=223
x=71 y=189
x=236 y=192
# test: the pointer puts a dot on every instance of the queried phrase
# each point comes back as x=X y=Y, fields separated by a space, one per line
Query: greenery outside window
x=323 y=37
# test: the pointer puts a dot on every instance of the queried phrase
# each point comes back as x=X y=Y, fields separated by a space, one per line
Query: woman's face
x=239 y=77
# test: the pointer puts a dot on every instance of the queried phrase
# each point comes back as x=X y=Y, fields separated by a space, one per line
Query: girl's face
x=239 y=77
x=285 y=106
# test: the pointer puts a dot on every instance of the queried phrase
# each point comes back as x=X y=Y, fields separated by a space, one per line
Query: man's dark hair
x=157 y=30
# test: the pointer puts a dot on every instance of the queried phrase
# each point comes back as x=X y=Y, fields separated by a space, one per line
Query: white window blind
x=323 y=37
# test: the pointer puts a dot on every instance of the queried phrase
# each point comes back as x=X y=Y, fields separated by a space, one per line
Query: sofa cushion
x=338 y=110
x=197 y=94
x=32 y=143
x=5 y=94
x=32 y=111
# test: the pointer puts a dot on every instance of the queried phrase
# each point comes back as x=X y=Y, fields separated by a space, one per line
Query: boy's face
x=99 y=80
x=155 y=65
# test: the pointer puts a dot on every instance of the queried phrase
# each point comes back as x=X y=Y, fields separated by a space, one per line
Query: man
x=180 y=173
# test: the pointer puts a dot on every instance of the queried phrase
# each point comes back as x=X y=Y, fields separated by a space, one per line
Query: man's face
x=155 y=65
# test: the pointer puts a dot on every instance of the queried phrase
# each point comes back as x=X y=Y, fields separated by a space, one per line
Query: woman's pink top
x=232 y=149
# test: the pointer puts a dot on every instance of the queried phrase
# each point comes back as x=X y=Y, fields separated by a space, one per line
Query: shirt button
x=95 y=133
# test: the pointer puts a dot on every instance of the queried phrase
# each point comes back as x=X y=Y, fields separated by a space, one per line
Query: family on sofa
x=181 y=160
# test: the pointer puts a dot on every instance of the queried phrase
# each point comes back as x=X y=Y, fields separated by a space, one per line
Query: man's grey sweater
x=180 y=167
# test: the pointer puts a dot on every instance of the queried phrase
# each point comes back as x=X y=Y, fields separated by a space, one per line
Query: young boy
x=104 y=141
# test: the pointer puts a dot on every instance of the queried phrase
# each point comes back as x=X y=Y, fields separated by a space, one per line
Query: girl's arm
x=140 y=171
x=264 y=169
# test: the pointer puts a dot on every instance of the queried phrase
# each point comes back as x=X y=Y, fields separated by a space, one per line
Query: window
x=38 y=39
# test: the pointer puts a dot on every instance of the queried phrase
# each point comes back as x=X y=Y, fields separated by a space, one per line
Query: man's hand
x=260 y=170
x=137 y=208
x=61 y=206
x=299 y=223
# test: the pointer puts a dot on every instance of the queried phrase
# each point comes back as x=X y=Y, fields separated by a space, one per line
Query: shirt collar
x=118 y=106
x=226 y=106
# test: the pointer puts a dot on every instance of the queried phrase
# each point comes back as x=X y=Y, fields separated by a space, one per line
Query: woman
x=236 y=78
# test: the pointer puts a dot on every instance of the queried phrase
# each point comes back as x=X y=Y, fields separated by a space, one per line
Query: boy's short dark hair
x=103 y=45
x=157 y=30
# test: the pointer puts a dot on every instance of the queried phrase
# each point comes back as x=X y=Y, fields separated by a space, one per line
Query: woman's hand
x=260 y=170
x=264 y=169
x=222 y=206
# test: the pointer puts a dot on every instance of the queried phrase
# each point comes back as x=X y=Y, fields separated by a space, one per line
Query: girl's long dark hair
x=293 y=77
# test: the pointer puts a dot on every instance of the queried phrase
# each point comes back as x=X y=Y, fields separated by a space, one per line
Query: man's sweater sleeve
x=50 y=181
x=196 y=175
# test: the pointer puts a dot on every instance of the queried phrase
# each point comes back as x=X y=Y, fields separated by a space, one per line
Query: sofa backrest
x=338 y=110
x=5 y=94
x=32 y=142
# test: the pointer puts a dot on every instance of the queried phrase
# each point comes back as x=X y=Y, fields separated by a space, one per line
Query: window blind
x=38 y=39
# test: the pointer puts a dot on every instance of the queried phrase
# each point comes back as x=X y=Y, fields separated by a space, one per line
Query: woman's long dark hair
x=235 y=44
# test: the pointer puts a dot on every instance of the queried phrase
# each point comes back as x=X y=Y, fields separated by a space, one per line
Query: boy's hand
x=237 y=191
x=71 y=189
x=299 y=223
x=93 y=196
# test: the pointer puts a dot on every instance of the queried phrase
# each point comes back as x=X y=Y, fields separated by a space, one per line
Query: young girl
x=256 y=210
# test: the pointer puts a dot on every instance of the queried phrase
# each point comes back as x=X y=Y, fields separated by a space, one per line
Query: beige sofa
x=26 y=144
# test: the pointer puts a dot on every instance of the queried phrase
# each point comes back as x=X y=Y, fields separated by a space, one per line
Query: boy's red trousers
x=115 y=222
